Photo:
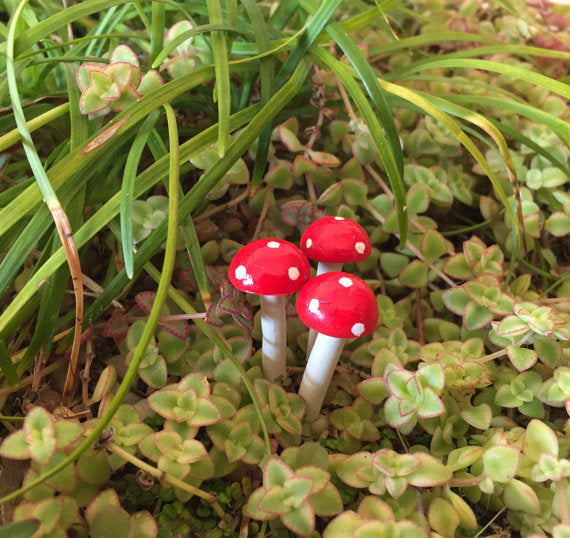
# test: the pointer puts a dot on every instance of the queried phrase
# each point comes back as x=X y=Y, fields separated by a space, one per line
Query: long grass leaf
x=369 y=79
x=8 y=369
x=32 y=125
x=321 y=15
x=424 y=103
x=222 y=87
x=60 y=218
x=267 y=77
x=156 y=30
x=388 y=159
x=69 y=15
x=127 y=189
x=188 y=233
x=559 y=126
x=514 y=72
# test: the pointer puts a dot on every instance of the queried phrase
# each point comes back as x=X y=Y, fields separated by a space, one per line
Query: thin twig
x=263 y=214
x=419 y=321
x=222 y=207
x=411 y=247
x=161 y=475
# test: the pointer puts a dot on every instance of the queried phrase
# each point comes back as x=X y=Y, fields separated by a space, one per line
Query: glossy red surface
x=269 y=267
x=338 y=304
x=335 y=240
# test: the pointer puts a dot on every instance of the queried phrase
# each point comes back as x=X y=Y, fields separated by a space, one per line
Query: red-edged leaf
x=116 y=326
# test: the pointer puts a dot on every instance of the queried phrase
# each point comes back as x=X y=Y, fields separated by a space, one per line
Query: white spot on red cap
x=273 y=244
x=360 y=247
x=293 y=273
x=314 y=306
x=240 y=272
x=345 y=281
x=339 y=218
x=309 y=243
x=357 y=329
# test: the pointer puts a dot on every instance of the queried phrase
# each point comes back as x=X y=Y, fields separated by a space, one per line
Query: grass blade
x=60 y=218
x=368 y=78
x=127 y=189
x=388 y=159
x=222 y=88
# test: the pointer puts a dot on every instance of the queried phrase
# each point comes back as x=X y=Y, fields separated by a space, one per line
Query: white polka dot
x=273 y=244
x=357 y=329
x=314 y=306
x=247 y=281
x=339 y=218
x=309 y=243
x=240 y=272
x=345 y=281
x=360 y=247
x=293 y=273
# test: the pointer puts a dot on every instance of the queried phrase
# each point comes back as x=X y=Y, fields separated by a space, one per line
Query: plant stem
x=161 y=475
x=563 y=502
x=492 y=356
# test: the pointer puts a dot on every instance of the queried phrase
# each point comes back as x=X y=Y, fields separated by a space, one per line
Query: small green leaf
x=522 y=358
x=558 y=224
x=300 y=520
x=520 y=496
x=414 y=275
x=15 y=446
x=276 y=473
x=539 y=439
x=475 y=316
x=442 y=517
x=512 y=326
x=500 y=463
x=478 y=416
x=327 y=502
x=464 y=457
x=456 y=299
x=432 y=245
x=355 y=191
x=431 y=472
x=20 y=529
x=393 y=263
x=289 y=139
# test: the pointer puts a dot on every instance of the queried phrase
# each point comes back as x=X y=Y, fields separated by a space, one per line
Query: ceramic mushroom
x=337 y=306
x=272 y=269
x=333 y=241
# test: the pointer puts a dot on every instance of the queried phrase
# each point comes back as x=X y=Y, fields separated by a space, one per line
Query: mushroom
x=271 y=268
x=338 y=306
x=332 y=241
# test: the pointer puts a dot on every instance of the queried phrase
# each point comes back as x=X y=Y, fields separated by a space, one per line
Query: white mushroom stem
x=273 y=328
x=328 y=267
x=319 y=371
x=322 y=267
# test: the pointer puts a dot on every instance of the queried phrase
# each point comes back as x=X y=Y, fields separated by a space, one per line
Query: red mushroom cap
x=335 y=240
x=269 y=267
x=338 y=304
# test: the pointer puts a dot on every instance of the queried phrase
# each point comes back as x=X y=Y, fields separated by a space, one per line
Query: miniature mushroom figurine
x=271 y=268
x=338 y=306
x=332 y=241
